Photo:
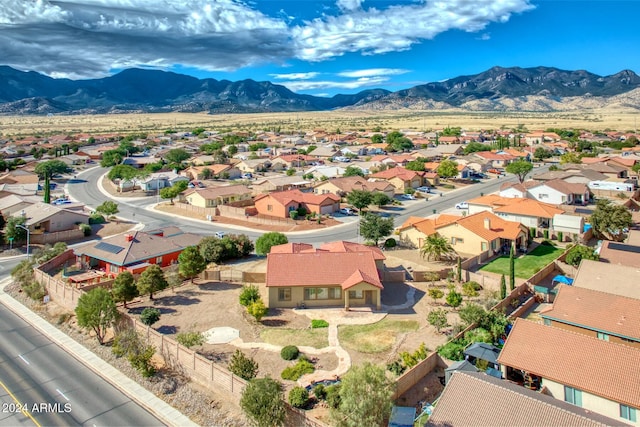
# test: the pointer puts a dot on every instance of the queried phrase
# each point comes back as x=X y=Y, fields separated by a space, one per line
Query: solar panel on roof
x=108 y=247
x=624 y=248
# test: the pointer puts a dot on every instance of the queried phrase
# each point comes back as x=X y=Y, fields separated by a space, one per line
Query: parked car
x=347 y=211
x=496 y=171
x=220 y=234
x=424 y=189
x=462 y=205
x=247 y=175
x=408 y=197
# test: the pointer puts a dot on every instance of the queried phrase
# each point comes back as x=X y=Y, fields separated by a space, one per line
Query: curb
x=165 y=413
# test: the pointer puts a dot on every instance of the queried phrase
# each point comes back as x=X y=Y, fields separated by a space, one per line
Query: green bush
x=560 y=236
x=545 y=233
x=249 y=295
x=289 y=352
x=34 y=290
x=293 y=373
x=96 y=218
x=390 y=243
x=478 y=335
x=190 y=339
x=533 y=233
x=293 y=214
x=453 y=350
x=396 y=367
x=333 y=396
x=243 y=366
x=298 y=397
x=320 y=392
x=319 y=323
x=86 y=229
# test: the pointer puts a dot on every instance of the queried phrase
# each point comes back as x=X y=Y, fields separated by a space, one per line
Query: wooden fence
x=203 y=212
x=415 y=374
x=58 y=236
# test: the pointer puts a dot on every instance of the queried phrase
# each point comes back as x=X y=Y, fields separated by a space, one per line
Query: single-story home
x=280 y=203
x=44 y=218
x=211 y=197
x=345 y=185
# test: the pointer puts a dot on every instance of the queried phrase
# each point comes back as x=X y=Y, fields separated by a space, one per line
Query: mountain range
x=142 y=90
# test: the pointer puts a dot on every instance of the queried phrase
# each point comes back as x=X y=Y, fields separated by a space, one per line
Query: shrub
x=293 y=373
x=545 y=233
x=578 y=253
x=96 y=218
x=320 y=392
x=397 y=367
x=190 y=339
x=319 y=323
x=249 y=295
x=298 y=397
x=289 y=352
x=333 y=396
x=258 y=310
x=390 y=243
x=560 y=236
x=478 y=335
x=243 y=366
x=293 y=214
x=86 y=229
x=149 y=316
x=533 y=232
x=34 y=290
x=453 y=350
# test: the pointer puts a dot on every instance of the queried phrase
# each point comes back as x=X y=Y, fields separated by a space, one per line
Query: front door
x=368 y=297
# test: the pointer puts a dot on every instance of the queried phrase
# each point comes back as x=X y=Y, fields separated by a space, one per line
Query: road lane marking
x=24 y=411
x=24 y=360
x=62 y=394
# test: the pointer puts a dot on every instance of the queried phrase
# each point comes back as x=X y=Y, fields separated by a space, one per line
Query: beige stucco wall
x=411 y=237
x=62 y=221
x=590 y=401
x=297 y=296
x=471 y=244
x=196 y=199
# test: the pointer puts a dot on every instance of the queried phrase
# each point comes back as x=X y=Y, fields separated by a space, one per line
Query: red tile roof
x=286 y=197
x=595 y=366
x=343 y=246
x=498 y=227
x=397 y=172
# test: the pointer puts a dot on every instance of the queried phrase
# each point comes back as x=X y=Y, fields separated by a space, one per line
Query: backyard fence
x=415 y=374
x=203 y=212
x=58 y=236
x=65 y=295
x=233 y=276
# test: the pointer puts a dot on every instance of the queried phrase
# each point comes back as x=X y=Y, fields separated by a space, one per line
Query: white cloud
x=297 y=86
x=484 y=36
x=349 y=5
x=295 y=76
x=373 y=72
x=375 y=31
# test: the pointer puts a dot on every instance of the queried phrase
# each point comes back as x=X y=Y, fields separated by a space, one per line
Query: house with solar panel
x=135 y=251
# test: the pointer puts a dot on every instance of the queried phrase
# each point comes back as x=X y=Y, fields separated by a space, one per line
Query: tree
x=12 y=231
x=470 y=289
x=112 y=158
x=262 y=402
x=580 y=252
x=474 y=147
x=454 y=299
x=151 y=280
x=243 y=366
x=570 y=158
x=124 y=172
x=512 y=270
x=360 y=199
x=365 y=397
x=521 y=168
x=249 y=295
x=374 y=227
x=437 y=248
x=267 y=240
x=438 y=319
x=190 y=338
x=459 y=269
x=436 y=294
x=376 y=138
x=471 y=313
x=176 y=155
x=636 y=168
x=415 y=165
x=398 y=142
x=173 y=191
x=108 y=208
x=150 y=315
x=611 y=222
x=206 y=173
x=191 y=262
x=298 y=397
x=353 y=171
x=96 y=310
x=503 y=287
x=447 y=169
x=46 y=170
x=174 y=279
x=541 y=154
x=380 y=199
x=124 y=288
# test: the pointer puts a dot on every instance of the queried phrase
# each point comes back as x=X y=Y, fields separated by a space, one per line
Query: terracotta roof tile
x=397 y=172
x=292 y=248
x=595 y=366
x=498 y=227
x=596 y=310
x=344 y=246
x=620 y=253
x=286 y=197
x=477 y=399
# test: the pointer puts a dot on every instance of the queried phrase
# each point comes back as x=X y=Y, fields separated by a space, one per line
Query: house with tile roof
x=338 y=274
x=19 y=176
x=498 y=159
x=14 y=203
x=280 y=203
x=345 y=185
x=528 y=212
x=135 y=251
x=211 y=197
x=470 y=235
x=619 y=253
x=615 y=279
x=217 y=170
x=605 y=316
x=555 y=191
x=265 y=184
x=473 y=399
x=402 y=179
x=45 y=218
x=588 y=372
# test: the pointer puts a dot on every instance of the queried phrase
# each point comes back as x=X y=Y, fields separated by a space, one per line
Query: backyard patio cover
x=402 y=416
x=563 y=279
x=483 y=351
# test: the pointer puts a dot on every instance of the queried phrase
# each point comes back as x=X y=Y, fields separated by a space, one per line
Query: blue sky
x=318 y=47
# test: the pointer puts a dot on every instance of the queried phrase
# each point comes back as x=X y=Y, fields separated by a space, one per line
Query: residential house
x=19 y=176
x=292 y=160
x=136 y=250
x=470 y=235
x=559 y=192
x=540 y=137
x=402 y=179
x=527 y=212
x=343 y=186
x=211 y=197
x=585 y=371
x=334 y=276
x=489 y=401
x=278 y=183
x=74 y=159
x=447 y=150
x=573 y=176
x=18 y=189
x=44 y=218
x=203 y=159
x=498 y=159
x=155 y=181
x=617 y=253
x=281 y=203
x=517 y=189
x=13 y=203
x=612 y=278
x=140 y=162
x=612 y=171
x=254 y=165
x=326 y=171
x=601 y=315
x=217 y=170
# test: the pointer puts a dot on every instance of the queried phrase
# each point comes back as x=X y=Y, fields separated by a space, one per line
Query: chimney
x=487 y=223
x=128 y=237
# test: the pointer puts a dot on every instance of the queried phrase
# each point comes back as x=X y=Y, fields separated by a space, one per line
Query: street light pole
x=28 y=234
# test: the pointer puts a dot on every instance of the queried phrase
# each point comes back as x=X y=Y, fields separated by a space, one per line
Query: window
x=159 y=260
x=547 y=322
x=322 y=293
x=284 y=294
x=269 y=208
x=543 y=196
x=483 y=246
x=573 y=395
x=113 y=268
x=356 y=294
x=628 y=413
x=603 y=337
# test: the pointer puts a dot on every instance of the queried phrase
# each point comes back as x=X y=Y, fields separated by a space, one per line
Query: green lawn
x=527 y=265
x=374 y=337
x=316 y=338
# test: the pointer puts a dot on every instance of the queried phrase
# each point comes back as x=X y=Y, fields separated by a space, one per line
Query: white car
x=462 y=205
x=346 y=211
x=408 y=197
x=220 y=234
x=424 y=189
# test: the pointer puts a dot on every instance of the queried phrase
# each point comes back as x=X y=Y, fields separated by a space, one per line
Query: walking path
x=143 y=397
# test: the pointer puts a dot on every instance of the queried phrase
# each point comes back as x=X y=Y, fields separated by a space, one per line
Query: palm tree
x=437 y=248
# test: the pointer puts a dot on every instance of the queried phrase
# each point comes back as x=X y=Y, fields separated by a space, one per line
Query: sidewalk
x=167 y=414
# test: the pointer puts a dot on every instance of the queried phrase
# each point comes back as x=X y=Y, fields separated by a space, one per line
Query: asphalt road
x=85 y=189
x=53 y=387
